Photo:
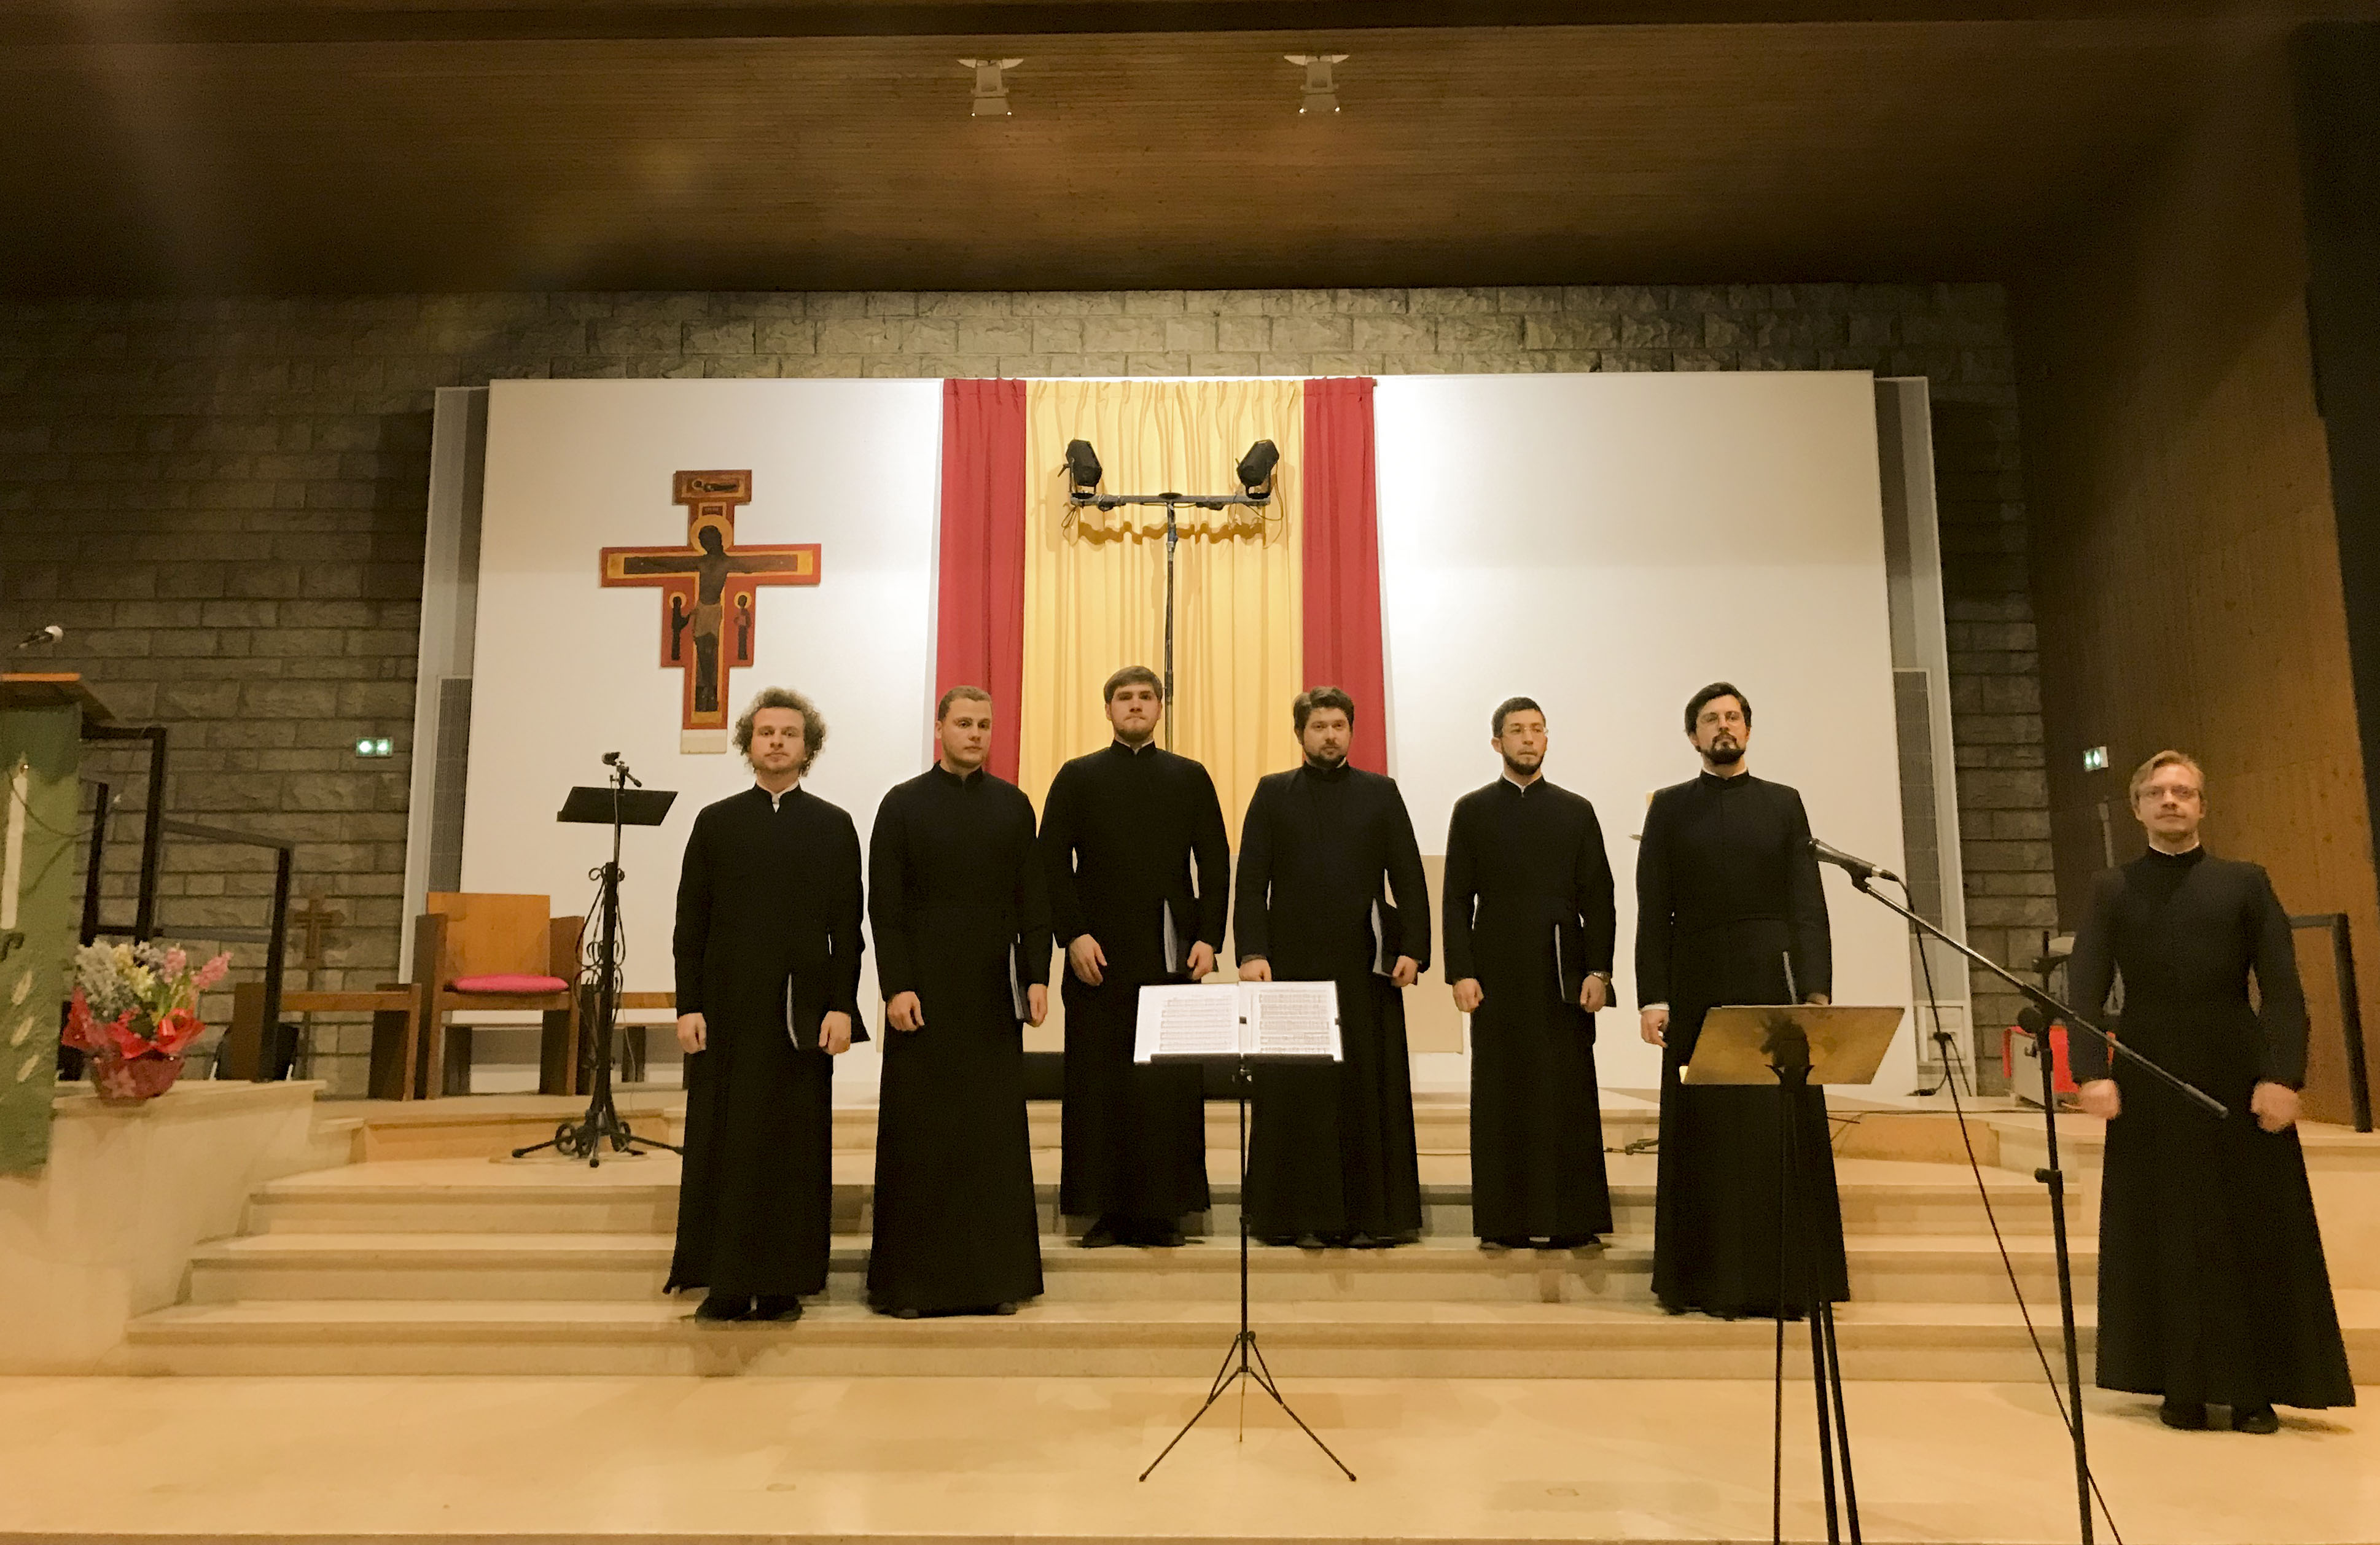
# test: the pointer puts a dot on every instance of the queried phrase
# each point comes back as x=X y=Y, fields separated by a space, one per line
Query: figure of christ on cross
x=702 y=582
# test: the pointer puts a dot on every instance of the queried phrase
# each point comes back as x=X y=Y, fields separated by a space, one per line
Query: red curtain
x=980 y=634
x=1342 y=559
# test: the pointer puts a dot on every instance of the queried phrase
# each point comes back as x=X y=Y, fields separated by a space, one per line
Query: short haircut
x=813 y=722
x=1131 y=675
x=1319 y=697
x=1514 y=706
x=973 y=695
x=2148 y=769
x=1703 y=699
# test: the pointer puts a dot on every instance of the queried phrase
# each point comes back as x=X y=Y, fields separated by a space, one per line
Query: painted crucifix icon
x=710 y=614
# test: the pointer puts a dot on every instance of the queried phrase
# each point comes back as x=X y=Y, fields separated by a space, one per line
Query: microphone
x=1858 y=869
x=49 y=634
x=611 y=759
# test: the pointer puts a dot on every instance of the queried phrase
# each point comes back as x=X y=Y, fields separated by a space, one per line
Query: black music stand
x=616 y=805
x=1795 y=1045
x=1245 y=1359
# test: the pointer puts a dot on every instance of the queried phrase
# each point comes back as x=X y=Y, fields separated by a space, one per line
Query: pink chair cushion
x=509 y=982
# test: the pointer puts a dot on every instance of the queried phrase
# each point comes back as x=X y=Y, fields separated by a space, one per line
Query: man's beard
x=1326 y=759
x=1523 y=769
x=1725 y=756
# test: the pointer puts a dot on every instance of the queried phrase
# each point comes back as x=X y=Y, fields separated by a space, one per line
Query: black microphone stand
x=584 y=1139
x=2050 y=1175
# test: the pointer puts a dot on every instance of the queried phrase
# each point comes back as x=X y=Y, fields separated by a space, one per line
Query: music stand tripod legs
x=1245 y=1358
x=585 y=1138
x=1826 y=1370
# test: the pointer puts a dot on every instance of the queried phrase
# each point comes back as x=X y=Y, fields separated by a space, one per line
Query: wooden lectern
x=41 y=720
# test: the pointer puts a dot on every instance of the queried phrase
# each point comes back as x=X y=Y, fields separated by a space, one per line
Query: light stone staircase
x=465 y=1265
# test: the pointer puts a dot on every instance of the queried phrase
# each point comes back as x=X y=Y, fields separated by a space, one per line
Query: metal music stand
x=1793 y=1047
x=1245 y=1359
x=616 y=805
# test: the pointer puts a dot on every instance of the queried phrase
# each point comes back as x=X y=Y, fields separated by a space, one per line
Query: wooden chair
x=483 y=951
x=395 y=1012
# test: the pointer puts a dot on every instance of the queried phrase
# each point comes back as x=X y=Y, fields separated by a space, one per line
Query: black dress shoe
x=2255 y=1418
x=1099 y=1237
x=1312 y=1242
x=2187 y=1417
x=1335 y=1241
x=1506 y=1242
x=899 y=1312
x=1282 y=1241
x=1162 y=1237
x=775 y=1306
x=721 y=1308
x=1570 y=1241
x=1003 y=1308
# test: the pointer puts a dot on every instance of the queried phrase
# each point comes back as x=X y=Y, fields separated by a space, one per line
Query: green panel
x=40 y=752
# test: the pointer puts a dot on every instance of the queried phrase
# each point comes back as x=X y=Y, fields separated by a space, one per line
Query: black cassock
x=1119 y=833
x=1523 y=863
x=1331 y=1148
x=955 y=894
x=2211 y=1287
x=1726 y=886
x=768 y=942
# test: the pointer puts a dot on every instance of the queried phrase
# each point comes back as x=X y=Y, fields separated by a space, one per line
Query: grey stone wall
x=222 y=503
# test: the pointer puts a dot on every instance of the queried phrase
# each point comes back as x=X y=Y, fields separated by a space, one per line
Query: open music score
x=1254 y=1020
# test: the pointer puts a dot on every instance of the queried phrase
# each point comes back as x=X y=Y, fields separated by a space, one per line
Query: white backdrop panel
x=1609 y=543
x=566 y=670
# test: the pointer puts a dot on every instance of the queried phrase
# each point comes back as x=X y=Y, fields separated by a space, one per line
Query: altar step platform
x=463 y=1260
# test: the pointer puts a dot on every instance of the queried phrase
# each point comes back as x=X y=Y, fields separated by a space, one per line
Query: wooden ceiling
x=379 y=145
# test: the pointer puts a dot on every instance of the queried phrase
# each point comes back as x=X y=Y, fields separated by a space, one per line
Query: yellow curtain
x=1095 y=582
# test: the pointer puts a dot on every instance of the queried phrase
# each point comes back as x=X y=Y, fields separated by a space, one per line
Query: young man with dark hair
x=1727 y=892
x=963 y=959
x=1121 y=831
x=1332 y=1159
x=767 y=951
x=2212 y=1285
x=1529 y=922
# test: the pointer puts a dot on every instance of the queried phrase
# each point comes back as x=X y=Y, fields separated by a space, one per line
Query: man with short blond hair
x=2212 y=1286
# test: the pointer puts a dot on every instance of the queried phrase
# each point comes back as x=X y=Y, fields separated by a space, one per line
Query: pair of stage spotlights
x=1255 y=473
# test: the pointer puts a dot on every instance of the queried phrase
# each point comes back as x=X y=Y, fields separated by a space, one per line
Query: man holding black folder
x=963 y=959
x=1332 y=1159
x=1529 y=927
x=1120 y=832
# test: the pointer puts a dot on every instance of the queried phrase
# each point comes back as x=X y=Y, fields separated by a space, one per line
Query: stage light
x=1321 y=94
x=1082 y=471
x=990 y=98
x=1256 y=470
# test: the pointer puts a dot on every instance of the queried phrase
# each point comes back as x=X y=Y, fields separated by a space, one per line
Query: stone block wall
x=222 y=501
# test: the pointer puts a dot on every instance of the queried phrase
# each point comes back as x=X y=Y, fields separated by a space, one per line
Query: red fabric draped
x=980 y=632
x=1342 y=559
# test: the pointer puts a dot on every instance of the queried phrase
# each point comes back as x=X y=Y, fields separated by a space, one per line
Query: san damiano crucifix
x=709 y=621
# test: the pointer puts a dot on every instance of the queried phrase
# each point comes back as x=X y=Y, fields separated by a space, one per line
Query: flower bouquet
x=135 y=1012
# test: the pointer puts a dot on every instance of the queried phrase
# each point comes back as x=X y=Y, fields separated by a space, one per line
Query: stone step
x=1952 y=1342
x=464 y=1196
x=627 y=1267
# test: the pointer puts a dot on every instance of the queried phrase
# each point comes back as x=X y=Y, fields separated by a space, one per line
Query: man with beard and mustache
x=963 y=959
x=768 y=996
x=1726 y=889
x=1529 y=922
x=1332 y=1160
x=1119 y=834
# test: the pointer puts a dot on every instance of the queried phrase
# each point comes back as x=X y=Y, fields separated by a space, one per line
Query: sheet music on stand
x=1260 y=1020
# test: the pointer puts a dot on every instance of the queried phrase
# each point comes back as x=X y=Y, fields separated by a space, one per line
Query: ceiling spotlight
x=1256 y=470
x=1082 y=472
x=990 y=100
x=1321 y=94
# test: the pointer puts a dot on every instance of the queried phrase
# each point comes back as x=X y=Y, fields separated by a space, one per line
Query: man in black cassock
x=1332 y=1160
x=1119 y=834
x=1529 y=926
x=2212 y=1286
x=768 y=996
x=1727 y=888
x=962 y=942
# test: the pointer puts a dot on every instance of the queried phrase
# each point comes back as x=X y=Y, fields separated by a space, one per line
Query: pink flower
x=177 y=960
x=214 y=970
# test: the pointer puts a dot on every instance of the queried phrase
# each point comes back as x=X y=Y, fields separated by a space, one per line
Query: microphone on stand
x=1858 y=869
x=611 y=759
x=49 y=634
